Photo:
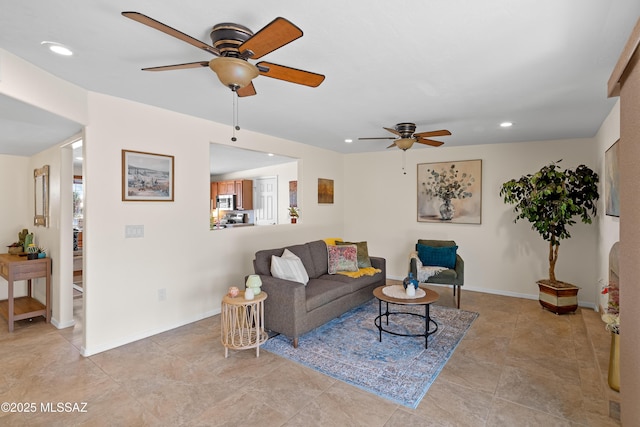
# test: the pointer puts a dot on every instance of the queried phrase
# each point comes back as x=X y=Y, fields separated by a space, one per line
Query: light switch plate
x=133 y=231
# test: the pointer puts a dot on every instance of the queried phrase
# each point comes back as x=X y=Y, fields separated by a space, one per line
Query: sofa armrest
x=285 y=306
x=381 y=263
x=459 y=270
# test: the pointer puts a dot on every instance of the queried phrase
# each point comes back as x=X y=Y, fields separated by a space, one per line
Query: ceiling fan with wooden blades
x=232 y=46
x=405 y=137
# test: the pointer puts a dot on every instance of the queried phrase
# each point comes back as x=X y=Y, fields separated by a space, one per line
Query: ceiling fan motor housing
x=406 y=130
x=227 y=37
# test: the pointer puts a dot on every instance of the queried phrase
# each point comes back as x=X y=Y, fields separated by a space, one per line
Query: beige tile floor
x=518 y=365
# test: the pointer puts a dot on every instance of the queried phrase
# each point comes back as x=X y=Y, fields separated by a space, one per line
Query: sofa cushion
x=289 y=267
x=352 y=284
x=262 y=261
x=342 y=258
x=363 y=253
x=320 y=292
x=444 y=277
x=318 y=251
x=433 y=256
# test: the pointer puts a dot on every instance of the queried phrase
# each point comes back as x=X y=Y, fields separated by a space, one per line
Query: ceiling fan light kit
x=404 y=143
x=234 y=73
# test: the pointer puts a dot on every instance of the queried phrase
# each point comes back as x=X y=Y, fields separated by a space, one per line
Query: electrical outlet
x=162 y=294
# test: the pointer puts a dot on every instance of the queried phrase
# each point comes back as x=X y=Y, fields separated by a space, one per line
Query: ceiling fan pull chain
x=235 y=115
x=404 y=161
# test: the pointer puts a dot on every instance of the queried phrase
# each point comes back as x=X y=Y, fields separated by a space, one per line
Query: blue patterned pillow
x=442 y=256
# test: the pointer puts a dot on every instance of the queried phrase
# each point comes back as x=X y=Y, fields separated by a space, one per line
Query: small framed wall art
x=325 y=190
x=611 y=180
x=293 y=193
x=147 y=177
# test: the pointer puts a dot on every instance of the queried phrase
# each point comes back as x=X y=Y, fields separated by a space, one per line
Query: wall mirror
x=41 y=195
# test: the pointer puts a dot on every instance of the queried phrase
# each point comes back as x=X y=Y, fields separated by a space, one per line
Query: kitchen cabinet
x=226 y=187
x=214 y=194
x=244 y=194
x=242 y=188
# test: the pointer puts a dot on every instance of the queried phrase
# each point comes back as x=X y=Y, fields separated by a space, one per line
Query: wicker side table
x=243 y=323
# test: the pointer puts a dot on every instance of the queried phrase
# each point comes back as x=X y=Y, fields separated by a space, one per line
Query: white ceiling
x=462 y=65
x=227 y=158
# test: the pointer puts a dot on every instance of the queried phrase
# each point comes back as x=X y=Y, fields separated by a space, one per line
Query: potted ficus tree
x=550 y=199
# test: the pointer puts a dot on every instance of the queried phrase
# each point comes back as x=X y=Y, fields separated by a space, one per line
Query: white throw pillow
x=289 y=267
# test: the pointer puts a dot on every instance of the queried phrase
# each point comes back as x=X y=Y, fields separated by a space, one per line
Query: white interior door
x=266 y=201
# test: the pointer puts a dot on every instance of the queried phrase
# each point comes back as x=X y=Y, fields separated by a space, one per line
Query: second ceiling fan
x=405 y=136
x=233 y=45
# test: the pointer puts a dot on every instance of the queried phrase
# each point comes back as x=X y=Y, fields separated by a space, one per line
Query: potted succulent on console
x=550 y=199
x=294 y=213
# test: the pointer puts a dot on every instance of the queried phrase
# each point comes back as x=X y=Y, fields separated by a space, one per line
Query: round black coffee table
x=430 y=326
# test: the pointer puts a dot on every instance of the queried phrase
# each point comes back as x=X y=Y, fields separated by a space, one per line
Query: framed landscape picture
x=147 y=177
x=611 y=180
x=450 y=192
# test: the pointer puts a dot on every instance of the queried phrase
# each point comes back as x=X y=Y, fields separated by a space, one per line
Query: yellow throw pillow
x=332 y=240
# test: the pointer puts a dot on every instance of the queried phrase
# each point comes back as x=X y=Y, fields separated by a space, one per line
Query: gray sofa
x=293 y=309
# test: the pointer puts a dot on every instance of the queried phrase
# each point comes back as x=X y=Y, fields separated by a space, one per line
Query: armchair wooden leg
x=295 y=341
x=459 y=292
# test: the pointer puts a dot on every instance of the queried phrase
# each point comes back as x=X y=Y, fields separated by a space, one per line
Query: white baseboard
x=505 y=293
x=62 y=325
x=90 y=351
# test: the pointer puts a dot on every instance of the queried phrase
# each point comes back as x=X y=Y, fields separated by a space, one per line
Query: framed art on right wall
x=612 y=180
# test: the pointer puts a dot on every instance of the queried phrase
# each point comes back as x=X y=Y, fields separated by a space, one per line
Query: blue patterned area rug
x=398 y=368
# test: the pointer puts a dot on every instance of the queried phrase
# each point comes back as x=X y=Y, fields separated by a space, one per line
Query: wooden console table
x=14 y=268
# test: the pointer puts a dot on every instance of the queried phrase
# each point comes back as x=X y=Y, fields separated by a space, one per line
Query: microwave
x=226 y=202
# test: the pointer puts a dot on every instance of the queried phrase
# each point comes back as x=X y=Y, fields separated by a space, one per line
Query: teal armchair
x=450 y=276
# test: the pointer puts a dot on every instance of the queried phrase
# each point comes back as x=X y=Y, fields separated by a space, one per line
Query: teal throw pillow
x=437 y=256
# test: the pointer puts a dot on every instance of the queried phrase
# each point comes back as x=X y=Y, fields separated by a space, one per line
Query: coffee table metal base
x=430 y=325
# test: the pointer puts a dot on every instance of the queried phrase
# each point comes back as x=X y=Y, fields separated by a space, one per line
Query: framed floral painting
x=450 y=192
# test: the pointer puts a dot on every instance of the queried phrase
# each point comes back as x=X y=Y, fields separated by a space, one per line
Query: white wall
x=16 y=189
x=27 y=83
x=57 y=238
x=500 y=256
x=608 y=226
x=178 y=252
x=17 y=173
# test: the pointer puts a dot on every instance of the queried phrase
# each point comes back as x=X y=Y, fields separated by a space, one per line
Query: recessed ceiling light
x=270 y=154
x=58 y=48
x=506 y=124
x=348 y=141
